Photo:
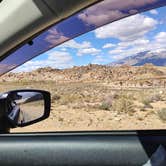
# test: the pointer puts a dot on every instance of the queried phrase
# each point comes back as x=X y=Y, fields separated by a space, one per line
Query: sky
x=114 y=41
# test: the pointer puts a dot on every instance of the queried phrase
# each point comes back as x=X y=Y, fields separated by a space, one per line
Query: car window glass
x=87 y=20
x=112 y=78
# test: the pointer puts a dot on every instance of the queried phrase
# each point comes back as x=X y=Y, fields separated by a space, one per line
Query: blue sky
x=126 y=37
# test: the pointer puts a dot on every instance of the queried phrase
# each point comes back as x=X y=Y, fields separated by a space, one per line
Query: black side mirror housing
x=26 y=106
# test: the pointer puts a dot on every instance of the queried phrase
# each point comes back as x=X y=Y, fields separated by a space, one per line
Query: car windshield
x=111 y=78
x=86 y=20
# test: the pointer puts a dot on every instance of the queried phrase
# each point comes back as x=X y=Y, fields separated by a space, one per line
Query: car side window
x=112 y=78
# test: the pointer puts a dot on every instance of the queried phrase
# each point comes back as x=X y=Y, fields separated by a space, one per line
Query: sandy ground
x=81 y=120
x=97 y=123
x=77 y=107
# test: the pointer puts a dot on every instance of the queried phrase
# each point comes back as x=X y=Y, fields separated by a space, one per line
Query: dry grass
x=162 y=114
x=94 y=106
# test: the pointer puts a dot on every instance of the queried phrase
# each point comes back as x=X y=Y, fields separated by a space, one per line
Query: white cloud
x=108 y=45
x=76 y=45
x=125 y=49
x=116 y=51
x=101 y=18
x=100 y=59
x=155 y=12
x=128 y=29
x=161 y=37
x=90 y=51
x=56 y=59
x=122 y=53
x=139 y=42
x=54 y=37
x=59 y=58
x=63 y=49
x=158 y=42
x=83 y=48
x=111 y=10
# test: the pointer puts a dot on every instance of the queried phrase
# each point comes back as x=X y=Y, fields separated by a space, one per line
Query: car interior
x=29 y=19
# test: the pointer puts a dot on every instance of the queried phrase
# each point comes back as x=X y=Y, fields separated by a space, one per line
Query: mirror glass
x=30 y=104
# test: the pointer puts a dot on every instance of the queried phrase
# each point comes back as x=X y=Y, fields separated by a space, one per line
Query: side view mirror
x=26 y=107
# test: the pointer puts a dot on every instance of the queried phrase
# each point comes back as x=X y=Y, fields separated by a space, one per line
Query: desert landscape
x=97 y=97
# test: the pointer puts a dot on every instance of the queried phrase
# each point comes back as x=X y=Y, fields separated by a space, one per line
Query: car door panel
x=80 y=148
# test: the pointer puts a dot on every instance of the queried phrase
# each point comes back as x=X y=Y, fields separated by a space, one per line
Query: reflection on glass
x=31 y=106
x=87 y=20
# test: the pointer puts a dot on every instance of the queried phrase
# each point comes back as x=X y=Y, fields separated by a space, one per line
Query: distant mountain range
x=157 y=58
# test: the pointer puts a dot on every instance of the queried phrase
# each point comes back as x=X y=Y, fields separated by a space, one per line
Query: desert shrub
x=156 y=97
x=104 y=106
x=162 y=114
x=123 y=105
x=148 y=106
x=143 y=109
x=108 y=100
x=60 y=119
x=70 y=98
x=116 y=96
x=107 y=103
x=55 y=97
x=147 y=102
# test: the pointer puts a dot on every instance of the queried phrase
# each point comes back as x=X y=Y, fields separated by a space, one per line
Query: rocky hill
x=123 y=74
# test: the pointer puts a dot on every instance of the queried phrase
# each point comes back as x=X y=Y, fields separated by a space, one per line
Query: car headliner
x=77 y=24
x=20 y=20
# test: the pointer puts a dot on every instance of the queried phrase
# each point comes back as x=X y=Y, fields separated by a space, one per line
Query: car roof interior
x=22 y=19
